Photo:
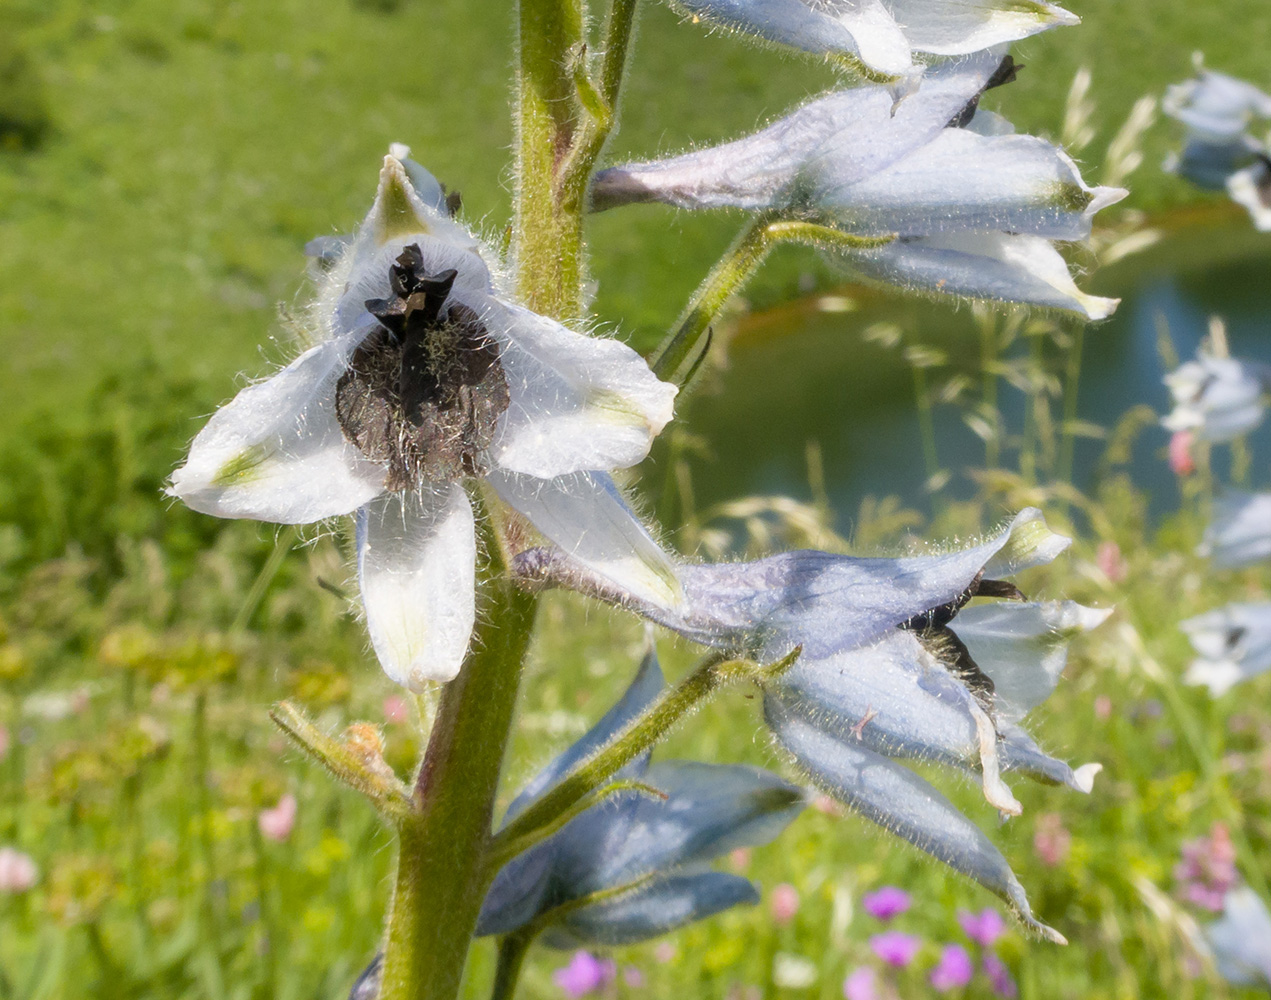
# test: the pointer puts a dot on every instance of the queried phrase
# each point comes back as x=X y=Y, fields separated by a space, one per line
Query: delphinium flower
x=1220 y=149
x=1233 y=643
x=954 y=970
x=885 y=903
x=422 y=381
x=898 y=662
x=1217 y=398
x=585 y=974
x=1241 y=939
x=1207 y=871
x=958 y=204
x=1239 y=532
x=634 y=866
x=881 y=36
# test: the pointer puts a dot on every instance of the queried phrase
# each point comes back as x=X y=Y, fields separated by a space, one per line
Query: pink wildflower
x=276 y=823
x=862 y=984
x=886 y=903
x=1103 y=708
x=1180 y=453
x=1109 y=559
x=664 y=952
x=396 y=709
x=999 y=975
x=633 y=977
x=895 y=947
x=584 y=974
x=739 y=859
x=1051 y=839
x=4 y=742
x=954 y=970
x=1208 y=869
x=18 y=871
x=784 y=903
x=984 y=927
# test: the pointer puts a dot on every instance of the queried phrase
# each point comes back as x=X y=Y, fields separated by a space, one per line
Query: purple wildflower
x=886 y=903
x=1208 y=869
x=954 y=970
x=984 y=927
x=862 y=984
x=584 y=974
x=895 y=947
x=999 y=976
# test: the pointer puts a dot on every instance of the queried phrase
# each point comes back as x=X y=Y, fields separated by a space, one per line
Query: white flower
x=1240 y=533
x=1216 y=108
x=423 y=378
x=1217 y=398
x=1233 y=643
x=975 y=209
x=883 y=34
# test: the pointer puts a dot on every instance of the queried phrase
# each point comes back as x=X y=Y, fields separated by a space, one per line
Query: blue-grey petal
x=651 y=911
x=904 y=804
x=1018 y=752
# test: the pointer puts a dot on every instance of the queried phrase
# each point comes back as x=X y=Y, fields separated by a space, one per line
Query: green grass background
x=145 y=242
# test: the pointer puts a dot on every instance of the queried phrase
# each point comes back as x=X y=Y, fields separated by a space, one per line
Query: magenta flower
x=954 y=970
x=895 y=947
x=1000 y=977
x=886 y=903
x=584 y=974
x=862 y=984
x=984 y=927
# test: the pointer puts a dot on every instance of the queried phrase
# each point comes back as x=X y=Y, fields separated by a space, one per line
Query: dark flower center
x=423 y=393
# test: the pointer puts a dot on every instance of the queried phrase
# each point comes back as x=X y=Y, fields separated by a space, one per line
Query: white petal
x=1218 y=398
x=950 y=27
x=1251 y=188
x=402 y=209
x=276 y=451
x=881 y=43
x=1240 y=533
x=999 y=267
x=416 y=561
x=962 y=180
x=1234 y=643
x=1023 y=646
x=578 y=403
x=585 y=515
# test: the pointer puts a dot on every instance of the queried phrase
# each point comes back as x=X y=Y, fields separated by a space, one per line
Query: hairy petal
x=416 y=560
x=578 y=403
x=949 y=27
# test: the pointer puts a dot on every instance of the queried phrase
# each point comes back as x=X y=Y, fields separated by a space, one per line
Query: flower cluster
x=1221 y=149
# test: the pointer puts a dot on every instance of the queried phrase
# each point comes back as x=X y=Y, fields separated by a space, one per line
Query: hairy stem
x=547 y=238
x=442 y=868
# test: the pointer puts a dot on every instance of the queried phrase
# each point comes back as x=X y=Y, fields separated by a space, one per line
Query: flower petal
x=1240 y=533
x=950 y=27
x=1241 y=940
x=854 y=131
x=416 y=560
x=651 y=911
x=903 y=804
x=1234 y=643
x=998 y=267
x=1218 y=398
x=1251 y=187
x=1023 y=646
x=276 y=452
x=578 y=403
x=963 y=180
x=586 y=516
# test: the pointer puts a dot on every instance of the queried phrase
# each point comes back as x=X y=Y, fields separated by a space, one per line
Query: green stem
x=641 y=734
x=512 y=951
x=926 y=423
x=286 y=539
x=547 y=239
x=1071 y=379
x=442 y=862
x=734 y=269
x=988 y=395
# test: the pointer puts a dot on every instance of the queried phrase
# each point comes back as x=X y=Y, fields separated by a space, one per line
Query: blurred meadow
x=162 y=166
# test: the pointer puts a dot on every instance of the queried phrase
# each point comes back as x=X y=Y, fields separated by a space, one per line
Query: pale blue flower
x=1233 y=643
x=530 y=405
x=1239 y=533
x=1241 y=939
x=974 y=209
x=657 y=847
x=1217 y=399
x=883 y=35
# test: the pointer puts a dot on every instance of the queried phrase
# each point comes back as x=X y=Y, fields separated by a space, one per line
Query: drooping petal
x=586 y=516
x=1251 y=187
x=950 y=27
x=276 y=452
x=1023 y=646
x=903 y=804
x=997 y=267
x=1019 y=753
x=651 y=910
x=1216 y=108
x=962 y=180
x=646 y=686
x=1241 y=940
x=856 y=129
x=416 y=559
x=1240 y=533
x=1233 y=643
x=578 y=403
